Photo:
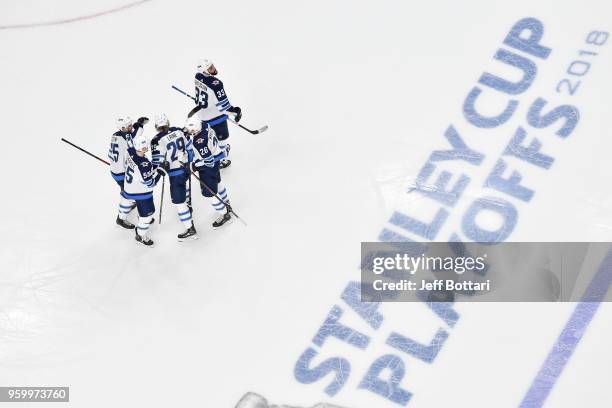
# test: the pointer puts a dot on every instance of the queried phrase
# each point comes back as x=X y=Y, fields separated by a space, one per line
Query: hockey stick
x=189 y=203
x=227 y=206
x=85 y=151
x=253 y=132
x=161 y=200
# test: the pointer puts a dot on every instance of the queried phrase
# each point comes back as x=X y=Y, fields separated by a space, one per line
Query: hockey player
x=172 y=151
x=213 y=105
x=207 y=155
x=117 y=154
x=140 y=178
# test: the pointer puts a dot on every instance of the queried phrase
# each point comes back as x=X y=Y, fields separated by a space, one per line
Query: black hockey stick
x=197 y=108
x=189 y=203
x=210 y=190
x=161 y=200
x=85 y=151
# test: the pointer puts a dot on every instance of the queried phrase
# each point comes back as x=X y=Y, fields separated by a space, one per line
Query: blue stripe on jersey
x=176 y=172
x=216 y=121
x=141 y=196
x=118 y=176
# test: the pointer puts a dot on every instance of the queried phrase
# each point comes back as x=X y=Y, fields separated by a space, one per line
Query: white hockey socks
x=144 y=223
x=216 y=204
x=225 y=147
x=184 y=214
x=125 y=206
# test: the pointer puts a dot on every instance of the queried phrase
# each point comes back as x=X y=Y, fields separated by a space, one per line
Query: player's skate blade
x=189 y=235
x=146 y=241
x=225 y=164
x=124 y=223
x=222 y=220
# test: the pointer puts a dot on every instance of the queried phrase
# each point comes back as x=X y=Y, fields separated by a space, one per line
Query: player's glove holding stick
x=237 y=113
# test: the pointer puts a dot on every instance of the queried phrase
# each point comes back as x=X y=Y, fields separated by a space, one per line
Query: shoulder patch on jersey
x=156 y=138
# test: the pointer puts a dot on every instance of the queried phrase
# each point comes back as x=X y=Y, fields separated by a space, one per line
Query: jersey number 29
x=175 y=145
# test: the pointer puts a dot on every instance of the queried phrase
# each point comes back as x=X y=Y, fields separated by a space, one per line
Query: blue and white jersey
x=117 y=152
x=206 y=149
x=211 y=97
x=139 y=177
x=173 y=147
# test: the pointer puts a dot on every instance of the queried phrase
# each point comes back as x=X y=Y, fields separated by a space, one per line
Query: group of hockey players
x=200 y=147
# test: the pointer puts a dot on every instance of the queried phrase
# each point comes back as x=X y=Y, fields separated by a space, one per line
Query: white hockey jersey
x=173 y=147
x=117 y=152
x=211 y=97
x=206 y=149
x=139 y=177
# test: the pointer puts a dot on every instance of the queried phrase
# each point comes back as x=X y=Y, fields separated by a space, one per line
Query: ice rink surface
x=357 y=95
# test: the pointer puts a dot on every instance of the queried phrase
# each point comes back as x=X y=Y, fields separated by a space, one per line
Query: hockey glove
x=209 y=162
x=158 y=175
x=237 y=113
x=142 y=120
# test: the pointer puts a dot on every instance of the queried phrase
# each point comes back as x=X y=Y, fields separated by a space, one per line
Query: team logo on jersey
x=145 y=164
x=200 y=140
x=216 y=82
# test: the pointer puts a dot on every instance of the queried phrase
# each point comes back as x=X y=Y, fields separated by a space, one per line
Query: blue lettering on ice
x=486 y=122
x=367 y=311
x=388 y=388
x=426 y=353
x=511 y=88
x=340 y=366
x=385 y=375
x=511 y=185
x=531 y=45
x=420 y=228
x=332 y=327
x=530 y=154
x=503 y=208
x=567 y=112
